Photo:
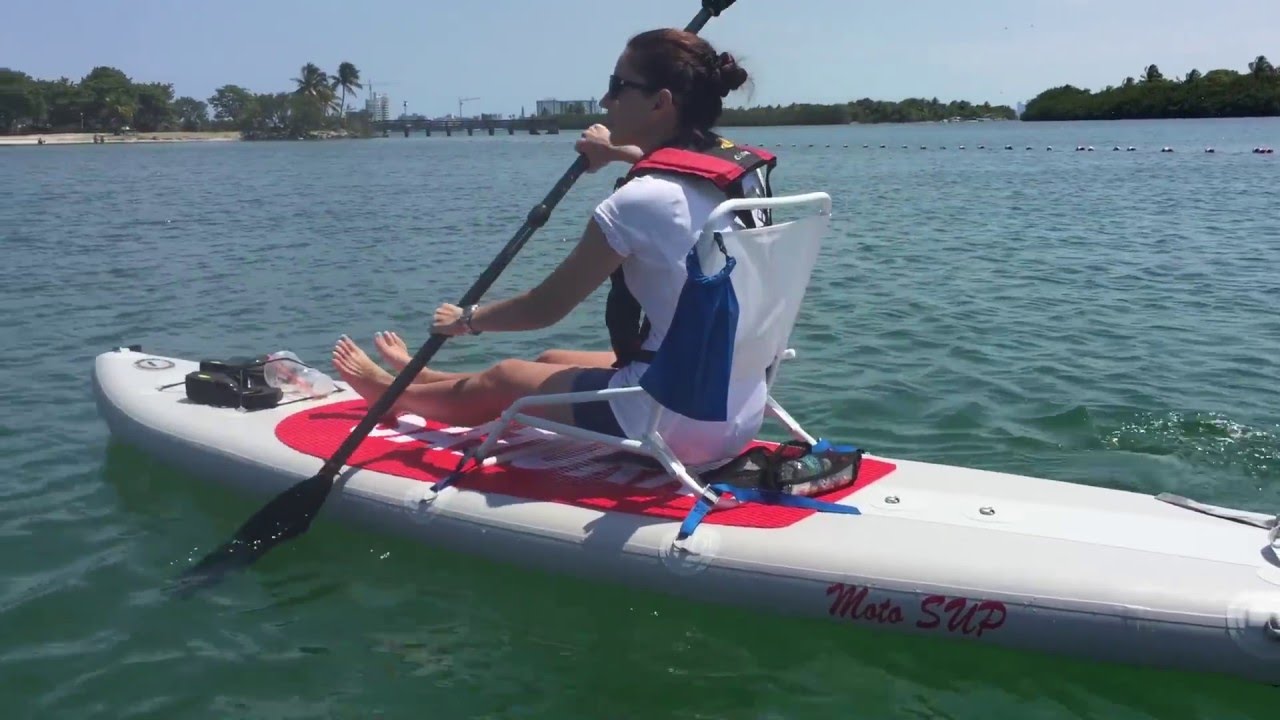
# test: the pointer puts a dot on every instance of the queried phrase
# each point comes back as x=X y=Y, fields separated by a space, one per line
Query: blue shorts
x=596 y=415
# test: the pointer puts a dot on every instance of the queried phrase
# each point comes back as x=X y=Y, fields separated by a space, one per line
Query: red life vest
x=724 y=164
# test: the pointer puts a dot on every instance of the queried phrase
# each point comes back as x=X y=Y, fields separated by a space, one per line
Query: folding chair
x=770 y=272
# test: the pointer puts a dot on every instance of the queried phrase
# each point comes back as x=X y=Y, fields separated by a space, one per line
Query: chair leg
x=662 y=453
x=499 y=428
x=776 y=410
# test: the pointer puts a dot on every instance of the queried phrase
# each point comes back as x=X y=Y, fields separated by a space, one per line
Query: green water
x=1099 y=317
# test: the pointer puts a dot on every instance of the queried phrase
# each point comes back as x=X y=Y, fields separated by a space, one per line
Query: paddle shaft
x=537 y=217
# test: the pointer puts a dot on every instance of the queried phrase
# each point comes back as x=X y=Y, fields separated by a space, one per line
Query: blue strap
x=767 y=497
x=695 y=516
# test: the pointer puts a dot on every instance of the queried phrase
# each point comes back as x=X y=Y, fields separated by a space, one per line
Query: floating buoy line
x=1260 y=150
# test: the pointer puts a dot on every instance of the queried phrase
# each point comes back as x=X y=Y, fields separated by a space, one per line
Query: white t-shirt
x=653 y=221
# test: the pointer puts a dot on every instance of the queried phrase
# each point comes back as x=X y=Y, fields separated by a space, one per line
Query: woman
x=664 y=96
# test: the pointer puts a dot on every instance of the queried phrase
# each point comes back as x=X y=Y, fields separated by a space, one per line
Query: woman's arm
x=629 y=154
x=596 y=145
x=578 y=275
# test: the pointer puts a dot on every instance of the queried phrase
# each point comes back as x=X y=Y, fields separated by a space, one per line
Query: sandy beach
x=87 y=138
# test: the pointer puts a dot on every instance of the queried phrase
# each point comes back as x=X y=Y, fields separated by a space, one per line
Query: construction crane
x=368 y=84
x=462 y=100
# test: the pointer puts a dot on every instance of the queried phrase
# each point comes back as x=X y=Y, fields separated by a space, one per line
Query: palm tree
x=348 y=78
x=314 y=83
x=1261 y=67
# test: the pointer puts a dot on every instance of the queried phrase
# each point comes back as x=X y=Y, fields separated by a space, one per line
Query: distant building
x=378 y=105
x=551 y=106
x=1021 y=108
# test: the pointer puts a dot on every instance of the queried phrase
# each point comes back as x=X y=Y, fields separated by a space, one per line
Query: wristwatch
x=465 y=319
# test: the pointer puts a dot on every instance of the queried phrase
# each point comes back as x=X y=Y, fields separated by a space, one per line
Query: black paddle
x=289 y=514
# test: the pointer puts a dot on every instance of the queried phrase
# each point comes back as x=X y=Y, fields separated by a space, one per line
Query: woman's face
x=636 y=112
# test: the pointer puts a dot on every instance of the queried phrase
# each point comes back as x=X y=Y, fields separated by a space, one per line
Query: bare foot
x=395 y=353
x=359 y=370
x=393 y=350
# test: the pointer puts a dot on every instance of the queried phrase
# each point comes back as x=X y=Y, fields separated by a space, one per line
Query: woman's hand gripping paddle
x=290 y=513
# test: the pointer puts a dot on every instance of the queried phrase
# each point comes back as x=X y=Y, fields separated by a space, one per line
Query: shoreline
x=109 y=139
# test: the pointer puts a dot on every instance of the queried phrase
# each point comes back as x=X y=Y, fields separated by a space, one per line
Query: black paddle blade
x=287 y=516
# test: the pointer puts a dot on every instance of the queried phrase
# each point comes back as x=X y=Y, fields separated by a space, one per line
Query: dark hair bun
x=732 y=76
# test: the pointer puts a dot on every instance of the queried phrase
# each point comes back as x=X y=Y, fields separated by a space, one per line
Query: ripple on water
x=1105 y=319
x=1209 y=440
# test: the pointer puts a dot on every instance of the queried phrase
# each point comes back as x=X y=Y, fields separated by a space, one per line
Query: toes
x=340 y=356
x=345 y=354
x=350 y=348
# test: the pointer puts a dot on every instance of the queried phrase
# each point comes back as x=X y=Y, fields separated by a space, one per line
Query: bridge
x=532 y=125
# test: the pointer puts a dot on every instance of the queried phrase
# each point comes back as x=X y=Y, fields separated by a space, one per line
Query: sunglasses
x=617 y=85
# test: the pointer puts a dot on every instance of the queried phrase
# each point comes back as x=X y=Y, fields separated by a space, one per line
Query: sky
x=510 y=53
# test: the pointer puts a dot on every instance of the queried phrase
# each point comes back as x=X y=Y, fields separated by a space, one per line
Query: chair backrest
x=731 y=328
x=775 y=265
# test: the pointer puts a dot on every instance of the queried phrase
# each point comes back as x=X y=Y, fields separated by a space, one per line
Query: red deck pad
x=532 y=464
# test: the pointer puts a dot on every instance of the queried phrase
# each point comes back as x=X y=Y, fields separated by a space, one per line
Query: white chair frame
x=652 y=443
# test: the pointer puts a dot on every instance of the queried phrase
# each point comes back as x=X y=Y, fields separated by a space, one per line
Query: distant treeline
x=865 y=110
x=1217 y=93
x=107 y=100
